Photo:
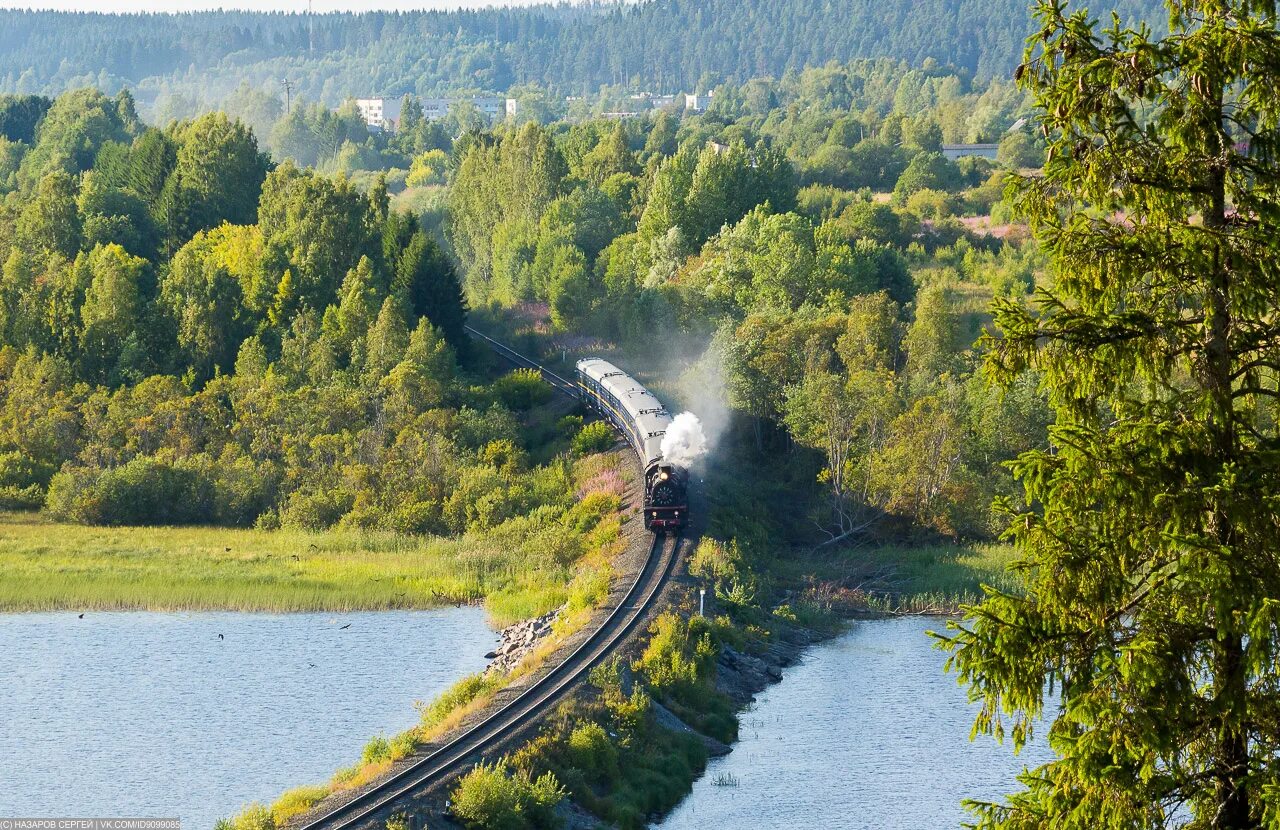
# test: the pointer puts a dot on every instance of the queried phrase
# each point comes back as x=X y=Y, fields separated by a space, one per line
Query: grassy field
x=49 y=566
x=911 y=579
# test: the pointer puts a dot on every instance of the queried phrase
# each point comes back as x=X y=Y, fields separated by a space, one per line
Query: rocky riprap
x=518 y=641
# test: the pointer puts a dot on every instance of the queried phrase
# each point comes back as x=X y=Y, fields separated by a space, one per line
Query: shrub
x=315 y=510
x=931 y=204
x=377 y=750
x=596 y=436
x=296 y=802
x=404 y=745
x=673 y=660
x=19 y=470
x=144 y=491
x=522 y=390
x=21 y=498
x=490 y=797
x=591 y=751
x=253 y=817
x=589 y=589
x=586 y=514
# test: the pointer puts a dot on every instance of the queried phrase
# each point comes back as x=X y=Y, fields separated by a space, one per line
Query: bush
x=377 y=750
x=591 y=751
x=596 y=436
x=932 y=204
x=296 y=802
x=490 y=797
x=253 y=817
x=144 y=491
x=522 y=390
x=21 y=498
x=315 y=510
x=19 y=471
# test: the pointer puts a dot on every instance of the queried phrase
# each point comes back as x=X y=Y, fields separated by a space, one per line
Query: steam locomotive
x=641 y=417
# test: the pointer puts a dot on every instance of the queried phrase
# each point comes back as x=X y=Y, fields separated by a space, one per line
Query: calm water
x=866 y=733
x=142 y=714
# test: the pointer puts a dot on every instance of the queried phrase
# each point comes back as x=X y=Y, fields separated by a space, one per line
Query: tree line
x=662 y=45
x=192 y=332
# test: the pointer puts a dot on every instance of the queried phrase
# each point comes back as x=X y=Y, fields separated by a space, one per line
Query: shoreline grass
x=522 y=568
x=906 y=579
x=50 y=566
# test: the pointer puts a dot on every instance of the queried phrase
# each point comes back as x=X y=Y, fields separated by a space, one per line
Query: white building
x=656 y=102
x=433 y=109
x=380 y=113
x=495 y=108
x=955 y=151
x=697 y=103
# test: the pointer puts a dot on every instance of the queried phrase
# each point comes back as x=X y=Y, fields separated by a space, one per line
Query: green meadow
x=921 y=578
x=50 y=566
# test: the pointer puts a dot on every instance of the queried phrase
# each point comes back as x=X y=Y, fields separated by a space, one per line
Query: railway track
x=468 y=747
x=509 y=354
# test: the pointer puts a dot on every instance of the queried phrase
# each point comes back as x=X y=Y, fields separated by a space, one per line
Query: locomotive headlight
x=664 y=475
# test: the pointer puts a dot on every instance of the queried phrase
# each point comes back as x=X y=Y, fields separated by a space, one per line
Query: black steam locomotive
x=641 y=417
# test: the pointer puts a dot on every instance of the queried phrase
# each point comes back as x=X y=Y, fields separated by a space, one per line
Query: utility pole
x=288 y=95
x=311 y=43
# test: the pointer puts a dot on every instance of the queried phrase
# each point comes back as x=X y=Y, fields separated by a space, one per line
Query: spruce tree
x=1149 y=550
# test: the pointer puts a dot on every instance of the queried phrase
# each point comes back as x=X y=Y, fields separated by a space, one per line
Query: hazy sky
x=257 y=5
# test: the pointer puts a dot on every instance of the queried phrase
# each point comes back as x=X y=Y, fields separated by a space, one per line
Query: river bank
x=521 y=568
x=865 y=731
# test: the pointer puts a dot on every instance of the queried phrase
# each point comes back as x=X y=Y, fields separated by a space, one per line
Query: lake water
x=148 y=714
x=867 y=732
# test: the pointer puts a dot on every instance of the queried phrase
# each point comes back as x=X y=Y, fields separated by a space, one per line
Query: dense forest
x=662 y=45
x=193 y=333
x=296 y=338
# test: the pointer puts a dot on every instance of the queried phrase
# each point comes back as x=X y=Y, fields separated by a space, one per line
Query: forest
x=199 y=327
x=198 y=330
x=219 y=310
x=572 y=49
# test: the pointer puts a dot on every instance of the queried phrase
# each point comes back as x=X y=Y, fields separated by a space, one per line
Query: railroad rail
x=639 y=599
x=509 y=354
x=637 y=602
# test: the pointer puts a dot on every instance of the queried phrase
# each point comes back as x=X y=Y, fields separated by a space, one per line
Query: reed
x=48 y=566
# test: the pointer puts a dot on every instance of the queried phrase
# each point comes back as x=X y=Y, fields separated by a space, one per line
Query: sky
x=256 y=5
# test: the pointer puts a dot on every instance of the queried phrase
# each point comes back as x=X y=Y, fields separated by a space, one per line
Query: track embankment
x=515 y=708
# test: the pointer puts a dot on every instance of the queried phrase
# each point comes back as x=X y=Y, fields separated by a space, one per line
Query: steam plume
x=684 y=441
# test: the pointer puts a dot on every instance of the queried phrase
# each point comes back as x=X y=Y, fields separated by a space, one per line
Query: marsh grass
x=910 y=579
x=49 y=566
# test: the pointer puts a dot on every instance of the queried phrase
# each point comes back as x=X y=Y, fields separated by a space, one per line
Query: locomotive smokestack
x=684 y=441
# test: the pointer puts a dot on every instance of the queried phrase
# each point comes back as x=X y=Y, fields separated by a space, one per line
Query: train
x=643 y=420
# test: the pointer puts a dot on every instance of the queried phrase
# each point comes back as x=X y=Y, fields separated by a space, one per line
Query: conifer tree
x=1149 y=550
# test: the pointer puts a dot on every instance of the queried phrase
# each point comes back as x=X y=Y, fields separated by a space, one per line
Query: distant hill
x=661 y=45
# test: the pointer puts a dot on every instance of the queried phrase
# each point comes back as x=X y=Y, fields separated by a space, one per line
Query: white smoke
x=684 y=441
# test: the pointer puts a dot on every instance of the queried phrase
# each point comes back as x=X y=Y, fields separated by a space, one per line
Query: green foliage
x=296 y=802
x=253 y=817
x=596 y=436
x=522 y=389
x=1146 y=543
x=144 y=491
x=927 y=171
x=491 y=797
